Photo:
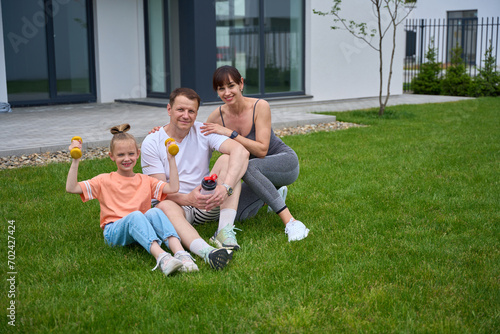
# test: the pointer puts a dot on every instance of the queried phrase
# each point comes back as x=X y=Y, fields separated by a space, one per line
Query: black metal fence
x=474 y=36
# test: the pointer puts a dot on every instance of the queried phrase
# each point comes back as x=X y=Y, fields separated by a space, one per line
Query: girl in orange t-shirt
x=125 y=200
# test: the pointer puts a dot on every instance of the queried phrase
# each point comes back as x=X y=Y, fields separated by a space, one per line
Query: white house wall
x=432 y=9
x=120 y=49
x=339 y=66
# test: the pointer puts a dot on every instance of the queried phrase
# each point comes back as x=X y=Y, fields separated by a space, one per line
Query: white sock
x=197 y=245
x=226 y=217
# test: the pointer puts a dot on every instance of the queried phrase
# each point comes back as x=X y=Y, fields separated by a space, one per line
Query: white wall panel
x=120 y=50
x=340 y=66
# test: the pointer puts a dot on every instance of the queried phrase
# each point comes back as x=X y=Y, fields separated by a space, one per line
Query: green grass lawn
x=405 y=237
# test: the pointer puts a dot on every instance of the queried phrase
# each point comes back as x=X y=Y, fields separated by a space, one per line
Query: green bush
x=456 y=81
x=428 y=80
x=487 y=82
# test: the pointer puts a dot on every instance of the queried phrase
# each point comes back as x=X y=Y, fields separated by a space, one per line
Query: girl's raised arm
x=72 y=185
x=173 y=184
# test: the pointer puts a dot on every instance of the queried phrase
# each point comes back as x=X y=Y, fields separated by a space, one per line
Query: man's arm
x=191 y=199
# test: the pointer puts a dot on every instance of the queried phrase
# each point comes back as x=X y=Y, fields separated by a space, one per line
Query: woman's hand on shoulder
x=155 y=129
x=209 y=128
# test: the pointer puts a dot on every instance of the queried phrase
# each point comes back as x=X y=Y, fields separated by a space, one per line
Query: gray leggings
x=262 y=179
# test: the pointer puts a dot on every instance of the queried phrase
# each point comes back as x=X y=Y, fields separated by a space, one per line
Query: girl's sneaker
x=187 y=260
x=168 y=264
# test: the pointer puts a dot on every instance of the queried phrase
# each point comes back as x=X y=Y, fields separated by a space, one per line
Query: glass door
x=238 y=40
x=264 y=40
x=162 y=60
x=48 y=51
x=155 y=50
x=71 y=46
x=25 y=43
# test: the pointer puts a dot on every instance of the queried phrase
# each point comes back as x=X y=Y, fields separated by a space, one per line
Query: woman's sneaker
x=296 y=230
x=167 y=263
x=187 y=260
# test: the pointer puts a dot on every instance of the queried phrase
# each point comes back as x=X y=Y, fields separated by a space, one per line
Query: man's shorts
x=196 y=216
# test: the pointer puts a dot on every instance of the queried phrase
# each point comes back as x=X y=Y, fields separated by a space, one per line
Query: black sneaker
x=217 y=258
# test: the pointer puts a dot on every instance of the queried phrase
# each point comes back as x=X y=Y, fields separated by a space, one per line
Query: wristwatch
x=234 y=135
x=229 y=189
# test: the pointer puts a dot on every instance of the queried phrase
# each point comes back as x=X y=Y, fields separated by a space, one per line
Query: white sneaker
x=168 y=263
x=283 y=191
x=296 y=230
x=187 y=260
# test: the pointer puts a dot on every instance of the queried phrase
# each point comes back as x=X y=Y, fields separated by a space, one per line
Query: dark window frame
x=166 y=59
x=67 y=98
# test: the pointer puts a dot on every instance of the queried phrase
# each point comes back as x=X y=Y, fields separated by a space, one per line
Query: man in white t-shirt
x=189 y=206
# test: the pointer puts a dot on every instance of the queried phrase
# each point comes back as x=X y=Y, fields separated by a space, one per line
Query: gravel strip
x=40 y=159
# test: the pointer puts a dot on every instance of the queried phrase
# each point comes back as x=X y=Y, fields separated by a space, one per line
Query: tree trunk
x=380 y=59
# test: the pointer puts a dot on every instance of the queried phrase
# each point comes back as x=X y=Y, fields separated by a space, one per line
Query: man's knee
x=223 y=159
x=221 y=164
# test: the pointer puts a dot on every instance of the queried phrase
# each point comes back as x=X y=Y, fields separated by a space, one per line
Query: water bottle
x=208 y=184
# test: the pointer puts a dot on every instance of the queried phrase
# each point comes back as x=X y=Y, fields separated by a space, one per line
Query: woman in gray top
x=273 y=165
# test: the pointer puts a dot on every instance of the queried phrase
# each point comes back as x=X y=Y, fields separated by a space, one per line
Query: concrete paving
x=50 y=128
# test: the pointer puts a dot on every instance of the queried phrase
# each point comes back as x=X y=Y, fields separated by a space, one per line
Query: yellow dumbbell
x=172 y=149
x=76 y=153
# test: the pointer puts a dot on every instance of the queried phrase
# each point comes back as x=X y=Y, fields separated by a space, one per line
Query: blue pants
x=142 y=228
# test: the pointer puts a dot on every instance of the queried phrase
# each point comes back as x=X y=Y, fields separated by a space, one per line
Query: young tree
x=398 y=11
x=428 y=80
x=456 y=81
x=487 y=82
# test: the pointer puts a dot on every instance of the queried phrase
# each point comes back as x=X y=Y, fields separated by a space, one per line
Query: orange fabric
x=119 y=195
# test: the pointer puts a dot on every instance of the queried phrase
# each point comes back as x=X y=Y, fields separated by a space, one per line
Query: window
x=161 y=61
x=48 y=51
x=462 y=32
x=264 y=40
